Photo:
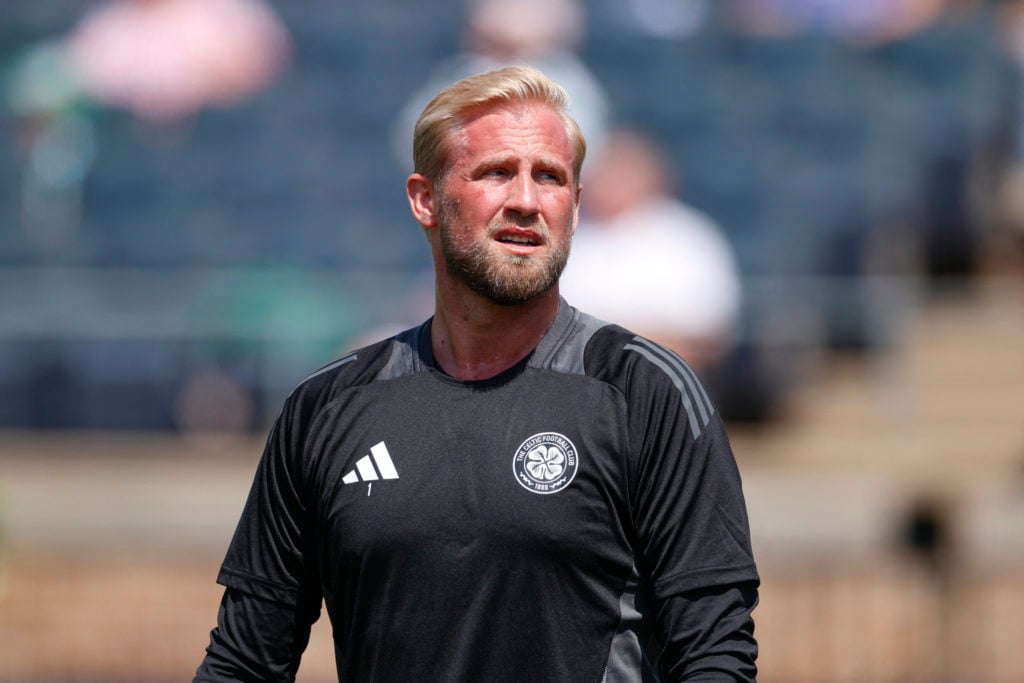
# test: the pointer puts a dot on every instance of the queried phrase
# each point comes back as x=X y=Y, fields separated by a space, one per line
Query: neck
x=473 y=338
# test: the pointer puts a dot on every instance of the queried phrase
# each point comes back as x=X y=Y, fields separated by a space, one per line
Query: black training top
x=578 y=517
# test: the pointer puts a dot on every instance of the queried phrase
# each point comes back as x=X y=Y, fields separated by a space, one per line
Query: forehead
x=521 y=130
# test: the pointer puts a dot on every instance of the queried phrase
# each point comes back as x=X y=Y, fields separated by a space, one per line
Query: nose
x=523 y=196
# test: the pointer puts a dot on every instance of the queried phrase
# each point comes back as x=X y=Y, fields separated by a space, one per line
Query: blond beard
x=504 y=279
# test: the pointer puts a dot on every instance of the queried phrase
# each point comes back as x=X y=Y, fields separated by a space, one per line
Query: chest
x=454 y=475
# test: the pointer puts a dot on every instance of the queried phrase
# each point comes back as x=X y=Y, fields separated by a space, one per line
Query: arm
x=708 y=634
x=270 y=571
x=255 y=640
x=693 y=538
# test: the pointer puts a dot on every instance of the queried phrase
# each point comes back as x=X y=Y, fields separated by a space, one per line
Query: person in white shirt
x=645 y=259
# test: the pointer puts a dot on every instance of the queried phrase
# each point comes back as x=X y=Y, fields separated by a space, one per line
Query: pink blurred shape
x=166 y=59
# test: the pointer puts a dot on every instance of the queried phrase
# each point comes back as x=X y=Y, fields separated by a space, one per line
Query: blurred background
x=819 y=202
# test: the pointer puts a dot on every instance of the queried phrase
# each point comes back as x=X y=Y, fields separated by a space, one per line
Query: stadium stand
x=814 y=155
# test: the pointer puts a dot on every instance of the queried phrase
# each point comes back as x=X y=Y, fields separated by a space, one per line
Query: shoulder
x=384 y=359
x=618 y=355
x=652 y=377
x=584 y=344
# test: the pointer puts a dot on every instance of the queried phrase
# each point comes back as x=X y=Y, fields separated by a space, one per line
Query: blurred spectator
x=56 y=141
x=859 y=21
x=545 y=34
x=643 y=258
x=166 y=59
x=162 y=60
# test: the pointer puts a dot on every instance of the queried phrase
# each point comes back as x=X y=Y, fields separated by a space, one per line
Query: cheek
x=480 y=207
x=465 y=219
x=561 y=210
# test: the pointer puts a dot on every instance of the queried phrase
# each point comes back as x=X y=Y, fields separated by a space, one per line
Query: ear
x=576 y=209
x=421 y=200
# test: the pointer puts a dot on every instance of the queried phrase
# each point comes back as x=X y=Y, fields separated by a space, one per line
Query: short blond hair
x=446 y=114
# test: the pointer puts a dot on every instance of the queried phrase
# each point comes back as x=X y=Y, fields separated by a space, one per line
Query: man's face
x=508 y=206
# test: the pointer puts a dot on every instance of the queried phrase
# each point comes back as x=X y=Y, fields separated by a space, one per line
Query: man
x=513 y=491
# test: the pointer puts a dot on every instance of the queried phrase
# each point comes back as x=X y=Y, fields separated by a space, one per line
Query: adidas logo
x=365 y=470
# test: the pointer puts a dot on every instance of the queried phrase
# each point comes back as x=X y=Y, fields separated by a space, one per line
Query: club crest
x=545 y=463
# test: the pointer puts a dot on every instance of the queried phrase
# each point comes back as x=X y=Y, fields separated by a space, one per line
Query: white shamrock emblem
x=545 y=462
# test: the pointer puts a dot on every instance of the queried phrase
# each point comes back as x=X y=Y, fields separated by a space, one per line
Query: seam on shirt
x=274 y=590
x=722 y=574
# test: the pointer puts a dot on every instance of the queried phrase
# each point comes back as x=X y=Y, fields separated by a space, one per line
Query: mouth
x=515 y=239
x=519 y=238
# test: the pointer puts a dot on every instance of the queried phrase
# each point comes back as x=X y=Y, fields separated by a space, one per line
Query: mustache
x=533 y=223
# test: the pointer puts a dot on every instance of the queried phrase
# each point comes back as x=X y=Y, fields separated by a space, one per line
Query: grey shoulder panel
x=344 y=360
x=405 y=357
x=562 y=347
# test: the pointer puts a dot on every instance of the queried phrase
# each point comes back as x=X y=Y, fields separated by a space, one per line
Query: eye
x=549 y=177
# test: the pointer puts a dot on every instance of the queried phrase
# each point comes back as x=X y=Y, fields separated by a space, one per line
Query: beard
x=502 y=278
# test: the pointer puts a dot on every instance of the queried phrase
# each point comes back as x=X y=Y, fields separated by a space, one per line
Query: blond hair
x=443 y=119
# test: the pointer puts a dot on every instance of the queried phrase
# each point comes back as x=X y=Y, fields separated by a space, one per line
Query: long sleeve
x=689 y=514
x=708 y=635
x=270 y=571
x=255 y=640
x=697 y=552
